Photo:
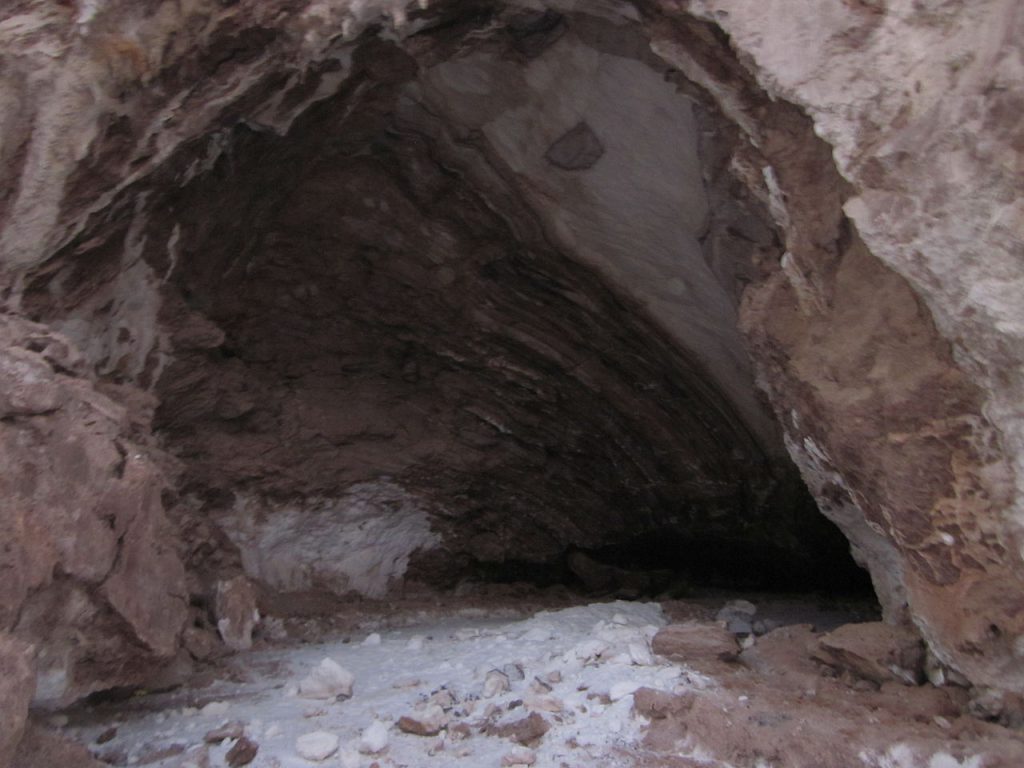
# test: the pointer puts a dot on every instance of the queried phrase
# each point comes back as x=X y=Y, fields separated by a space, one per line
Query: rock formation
x=341 y=293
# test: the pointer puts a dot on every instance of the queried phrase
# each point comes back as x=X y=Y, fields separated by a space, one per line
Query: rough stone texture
x=695 y=642
x=17 y=684
x=327 y=242
x=901 y=429
x=44 y=748
x=90 y=569
x=236 y=613
x=874 y=651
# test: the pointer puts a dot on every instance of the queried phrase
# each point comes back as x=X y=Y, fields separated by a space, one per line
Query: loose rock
x=230 y=730
x=235 y=609
x=519 y=756
x=328 y=680
x=496 y=682
x=242 y=753
x=689 y=642
x=875 y=652
x=374 y=738
x=527 y=731
x=429 y=722
x=317 y=746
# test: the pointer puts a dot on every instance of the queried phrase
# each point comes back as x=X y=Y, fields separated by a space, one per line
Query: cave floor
x=535 y=680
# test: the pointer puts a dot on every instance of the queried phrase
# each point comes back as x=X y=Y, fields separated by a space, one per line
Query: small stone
x=444 y=699
x=371 y=640
x=692 y=641
x=519 y=756
x=539 y=686
x=513 y=672
x=107 y=735
x=230 y=730
x=623 y=689
x=641 y=655
x=317 y=746
x=657 y=705
x=374 y=738
x=328 y=680
x=429 y=722
x=495 y=683
x=545 y=703
x=242 y=753
x=235 y=610
x=527 y=731
x=555 y=676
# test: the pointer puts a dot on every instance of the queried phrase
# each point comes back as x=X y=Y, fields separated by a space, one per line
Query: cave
x=315 y=310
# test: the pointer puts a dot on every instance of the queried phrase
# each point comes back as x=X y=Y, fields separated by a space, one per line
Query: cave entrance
x=470 y=316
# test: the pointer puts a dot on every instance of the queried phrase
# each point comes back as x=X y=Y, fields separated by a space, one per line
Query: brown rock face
x=340 y=294
x=17 y=684
x=90 y=562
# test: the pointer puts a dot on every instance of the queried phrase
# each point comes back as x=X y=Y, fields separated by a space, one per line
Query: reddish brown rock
x=695 y=642
x=17 y=684
x=874 y=651
x=42 y=748
x=657 y=705
x=82 y=499
x=242 y=753
x=235 y=611
x=527 y=731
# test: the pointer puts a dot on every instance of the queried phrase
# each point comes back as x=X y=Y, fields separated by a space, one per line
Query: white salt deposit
x=360 y=542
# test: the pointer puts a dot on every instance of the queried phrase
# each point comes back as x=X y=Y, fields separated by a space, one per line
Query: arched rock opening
x=457 y=293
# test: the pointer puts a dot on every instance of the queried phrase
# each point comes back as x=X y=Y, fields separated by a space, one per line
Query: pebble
x=545 y=703
x=429 y=722
x=513 y=671
x=623 y=689
x=327 y=680
x=496 y=682
x=374 y=738
x=316 y=746
x=242 y=753
x=373 y=639
x=519 y=756
x=230 y=730
x=444 y=699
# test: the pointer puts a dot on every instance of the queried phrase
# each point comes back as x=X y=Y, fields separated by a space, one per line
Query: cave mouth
x=457 y=322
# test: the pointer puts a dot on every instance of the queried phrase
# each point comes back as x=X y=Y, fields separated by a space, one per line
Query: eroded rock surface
x=451 y=289
x=91 y=570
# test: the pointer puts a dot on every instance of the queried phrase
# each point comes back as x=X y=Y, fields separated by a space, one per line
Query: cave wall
x=888 y=342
